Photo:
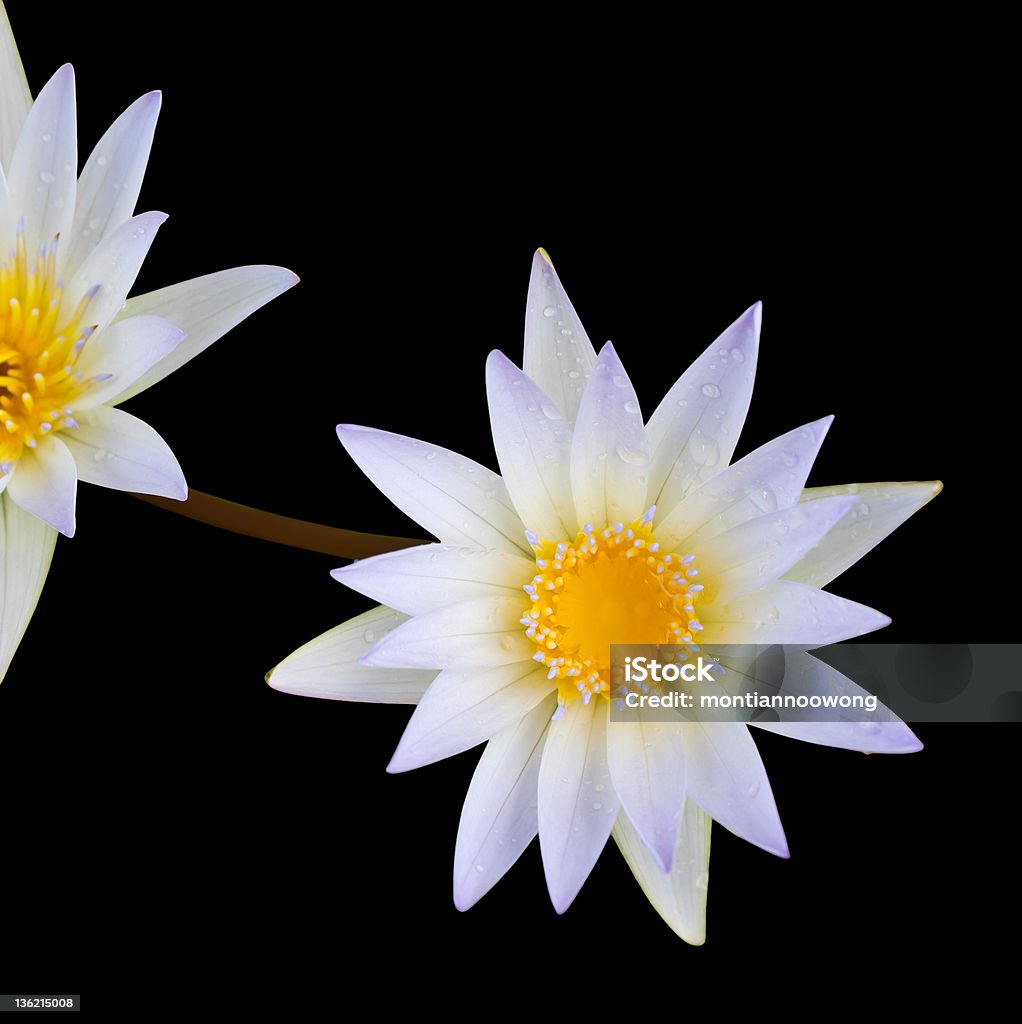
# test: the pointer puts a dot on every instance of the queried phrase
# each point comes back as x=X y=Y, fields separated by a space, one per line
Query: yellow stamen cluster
x=610 y=586
x=39 y=347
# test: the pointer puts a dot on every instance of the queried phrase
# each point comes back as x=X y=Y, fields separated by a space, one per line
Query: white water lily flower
x=600 y=529
x=71 y=347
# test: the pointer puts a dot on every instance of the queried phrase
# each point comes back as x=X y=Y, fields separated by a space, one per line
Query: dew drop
x=632 y=456
x=566 y=331
x=864 y=509
x=506 y=643
x=631 y=407
x=550 y=411
x=762 y=497
x=550 y=311
x=574 y=374
x=754 y=789
x=710 y=390
x=789 y=459
x=737 y=355
x=368 y=636
x=704 y=450
x=46 y=177
x=597 y=806
x=480 y=868
x=102 y=161
x=430 y=456
x=620 y=381
x=47 y=137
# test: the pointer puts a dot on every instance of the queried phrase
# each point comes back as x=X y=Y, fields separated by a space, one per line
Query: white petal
x=885 y=733
x=110 y=269
x=122 y=353
x=767 y=479
x=479 y=633
x=679 y=897
x=533 y=444
x=688 y=441
x=726 y=778
x=577 y=802
x=558 y=353
x=329 y=665
x=26 y=547
x=110 y=182
x=880 y=509
x=788 y=613
x=15 y=97
x=43 y=172
x=454 y=498
x=420 y=579
x=609 y=461
x=463 y=708
x=44 y=484
x=112 y=448
x=206 y=308
x=757 y=552
x=647 y=765
x=499 y=818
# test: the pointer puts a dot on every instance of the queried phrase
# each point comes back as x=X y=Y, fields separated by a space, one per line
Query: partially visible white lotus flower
x=600 y=530
x=71 y=348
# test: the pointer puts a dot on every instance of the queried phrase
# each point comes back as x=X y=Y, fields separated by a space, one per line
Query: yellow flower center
x=610 y=586
x=39 y=347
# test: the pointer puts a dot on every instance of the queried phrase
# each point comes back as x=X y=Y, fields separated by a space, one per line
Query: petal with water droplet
x=329 y=665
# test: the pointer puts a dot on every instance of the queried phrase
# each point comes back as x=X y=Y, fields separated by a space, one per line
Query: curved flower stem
x=296 y=533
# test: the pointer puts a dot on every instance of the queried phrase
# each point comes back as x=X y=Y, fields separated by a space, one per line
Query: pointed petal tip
x=463 y=901
x=496 y=360
x=346 y=430
x=938 y=486
x=394 y=766
x=544 y=256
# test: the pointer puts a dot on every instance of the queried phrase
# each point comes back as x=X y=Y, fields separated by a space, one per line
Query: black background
x=159 y=798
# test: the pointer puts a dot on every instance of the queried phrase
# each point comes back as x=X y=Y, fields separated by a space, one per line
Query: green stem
x=296 y=533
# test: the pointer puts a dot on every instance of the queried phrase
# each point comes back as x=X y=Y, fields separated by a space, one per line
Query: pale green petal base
x=678 y=896
x=26 y=548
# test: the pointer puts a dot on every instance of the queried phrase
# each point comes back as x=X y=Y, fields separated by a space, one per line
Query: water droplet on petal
x=632 y=456
x=737 y=355
x=550 y=311
x=789 y=458
x=430 y=456
x=47 y=137
x=574 y=374
x=704 y=450
x=762 y=497
x=368 y=636
x=102 y=161
x=710 y=390
x=506 y=643
x=631 y=407
x=46 y=177
x=620 y=381
x=754 y=789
